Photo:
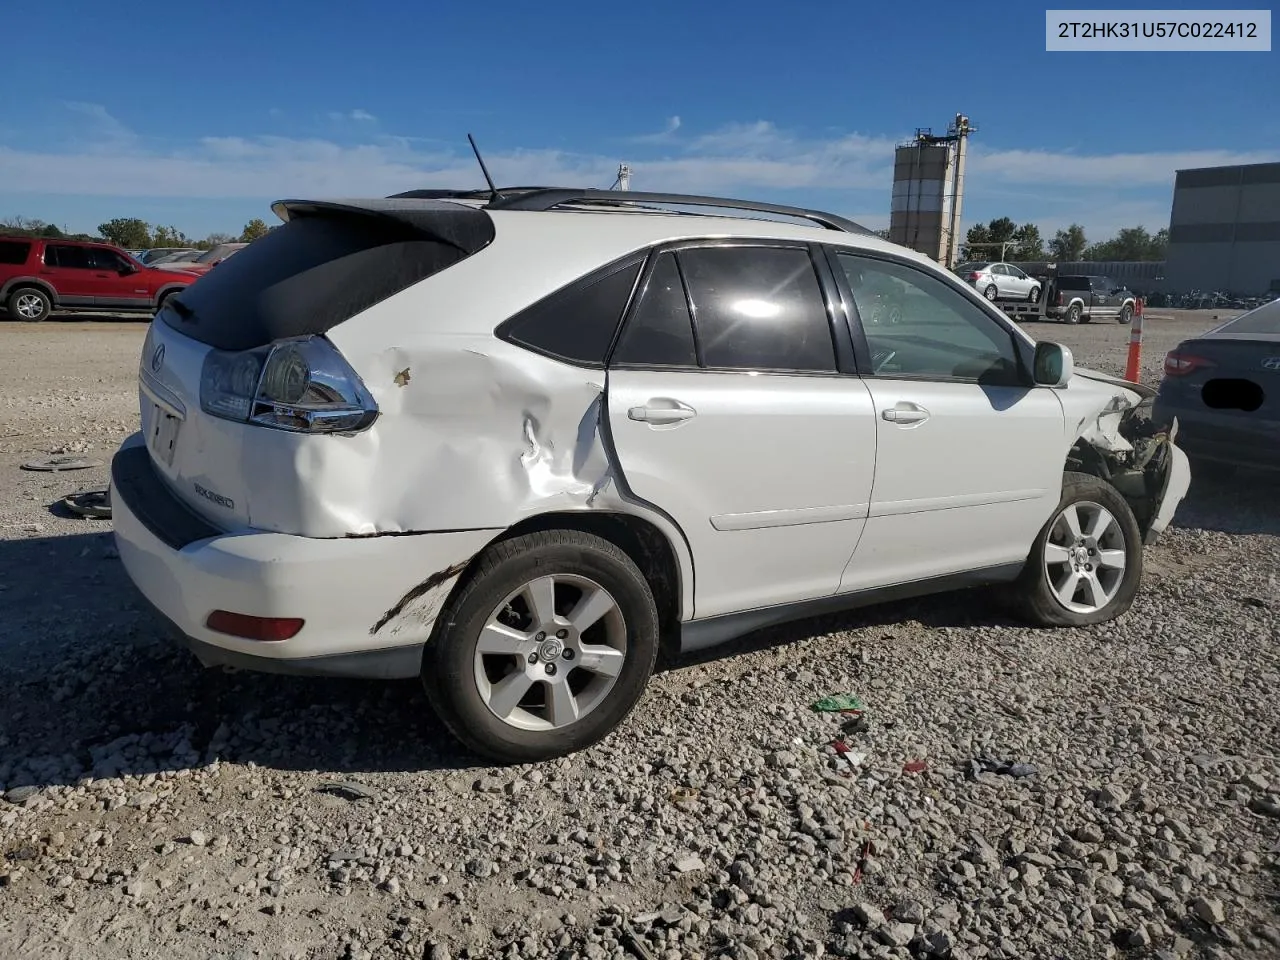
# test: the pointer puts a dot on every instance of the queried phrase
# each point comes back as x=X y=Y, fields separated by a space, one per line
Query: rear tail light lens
x=975 y=275
x=1059 y=298
x=269 y=629
x=1179 y=364
x=302 y=385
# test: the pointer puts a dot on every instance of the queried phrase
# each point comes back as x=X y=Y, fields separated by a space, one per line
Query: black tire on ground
x=1074 y=313
x=448 y=664
x=991 y=293
x=1126 y=313
x=30 y=304
x=1033 y=295
x=1032 y=597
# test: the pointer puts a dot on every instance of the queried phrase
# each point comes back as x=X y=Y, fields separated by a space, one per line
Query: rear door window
x=14 y=252
x=1073 y=283
x=758 y=308
x=660 y=330
x=67 y=255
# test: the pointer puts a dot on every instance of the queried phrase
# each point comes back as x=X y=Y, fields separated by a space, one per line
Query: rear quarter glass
x=14 y=253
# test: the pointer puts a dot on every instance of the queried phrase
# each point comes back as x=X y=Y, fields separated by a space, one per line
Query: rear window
x=317 y=270
x=1265 y=319
x=13 y=252
x=1073 y=283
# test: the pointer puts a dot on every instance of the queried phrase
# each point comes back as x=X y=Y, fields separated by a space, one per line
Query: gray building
x=1224 y=231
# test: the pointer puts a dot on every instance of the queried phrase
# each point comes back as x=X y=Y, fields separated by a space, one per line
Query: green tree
x=50 y=231
x=169 y=237
x=1030 y=246
x=128 y=232
x=982 y=239
x=1068 y=244
x=1159 y=244
x=254 y=229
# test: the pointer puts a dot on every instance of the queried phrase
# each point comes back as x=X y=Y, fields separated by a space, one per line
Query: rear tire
x=30 y=304
x=537 y=690
x=1034 y=295
x=1074 y=313
x=991 y=293
x=1044 y=593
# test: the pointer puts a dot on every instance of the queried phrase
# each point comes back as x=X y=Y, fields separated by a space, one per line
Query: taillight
x=267 y=629
x=302 y=384
x=975 y=275
x=1178 y=364
x=1059 y=298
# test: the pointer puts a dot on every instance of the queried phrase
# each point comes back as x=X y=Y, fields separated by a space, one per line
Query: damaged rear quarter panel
x=473 y=433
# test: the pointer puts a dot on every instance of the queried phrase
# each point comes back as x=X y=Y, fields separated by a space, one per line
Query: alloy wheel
x=550 y=653
x=1084 y=557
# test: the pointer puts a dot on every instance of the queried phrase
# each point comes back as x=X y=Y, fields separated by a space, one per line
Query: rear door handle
x=662 y=410
x=905 y=412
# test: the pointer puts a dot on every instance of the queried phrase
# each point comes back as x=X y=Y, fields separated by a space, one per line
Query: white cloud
x=850 y=171
x=357 y=115
x=1154 y=168
x=662 y=136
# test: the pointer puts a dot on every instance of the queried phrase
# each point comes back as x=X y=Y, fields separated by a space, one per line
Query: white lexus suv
x=520 y=443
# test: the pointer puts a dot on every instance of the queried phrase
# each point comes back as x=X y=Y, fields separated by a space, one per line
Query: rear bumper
x=1225 y=438
x=363 y=600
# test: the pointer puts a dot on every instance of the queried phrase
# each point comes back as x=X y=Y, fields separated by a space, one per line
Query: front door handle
x=662 y=410
x=905 y=412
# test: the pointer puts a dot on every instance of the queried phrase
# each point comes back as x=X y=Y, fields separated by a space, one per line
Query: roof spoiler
x=465 y=228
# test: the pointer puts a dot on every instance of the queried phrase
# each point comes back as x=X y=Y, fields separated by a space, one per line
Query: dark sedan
x=1224 y=388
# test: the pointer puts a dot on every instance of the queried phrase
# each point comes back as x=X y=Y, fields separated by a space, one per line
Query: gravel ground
x=157 y=810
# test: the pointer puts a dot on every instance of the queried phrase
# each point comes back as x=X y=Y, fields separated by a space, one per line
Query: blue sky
x=200 y=115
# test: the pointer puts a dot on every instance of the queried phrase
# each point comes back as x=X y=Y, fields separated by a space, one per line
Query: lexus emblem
x=157 y=358
x=1271 y=363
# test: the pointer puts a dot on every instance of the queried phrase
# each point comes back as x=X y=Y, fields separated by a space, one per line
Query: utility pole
x=624 y=176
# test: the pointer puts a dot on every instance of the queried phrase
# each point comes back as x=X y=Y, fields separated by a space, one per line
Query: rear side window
x=577 y=322
x=68 y=256
x=1073 y=283
x=13 y=252
x=758 y=308
x=660 y=331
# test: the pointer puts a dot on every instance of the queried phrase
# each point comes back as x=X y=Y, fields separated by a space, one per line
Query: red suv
x=39 y=276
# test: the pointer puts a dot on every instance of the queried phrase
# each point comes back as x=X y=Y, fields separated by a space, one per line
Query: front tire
x=1086 y=562
x=30 y=304
x=1126 y=313
x=545 y=649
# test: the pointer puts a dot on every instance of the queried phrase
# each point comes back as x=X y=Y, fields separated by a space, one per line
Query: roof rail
x=548 y=198
x=460 y=194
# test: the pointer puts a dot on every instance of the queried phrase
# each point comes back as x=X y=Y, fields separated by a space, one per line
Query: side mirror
x=1053 y=365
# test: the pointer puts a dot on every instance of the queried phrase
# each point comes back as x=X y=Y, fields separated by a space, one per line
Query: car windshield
x=1265 y=319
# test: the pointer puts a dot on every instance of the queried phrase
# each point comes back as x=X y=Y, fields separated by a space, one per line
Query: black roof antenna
x=493 y=191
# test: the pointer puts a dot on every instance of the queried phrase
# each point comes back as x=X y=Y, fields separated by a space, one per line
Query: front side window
x=103 y=259
x=917 y=326
x=758 y=308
